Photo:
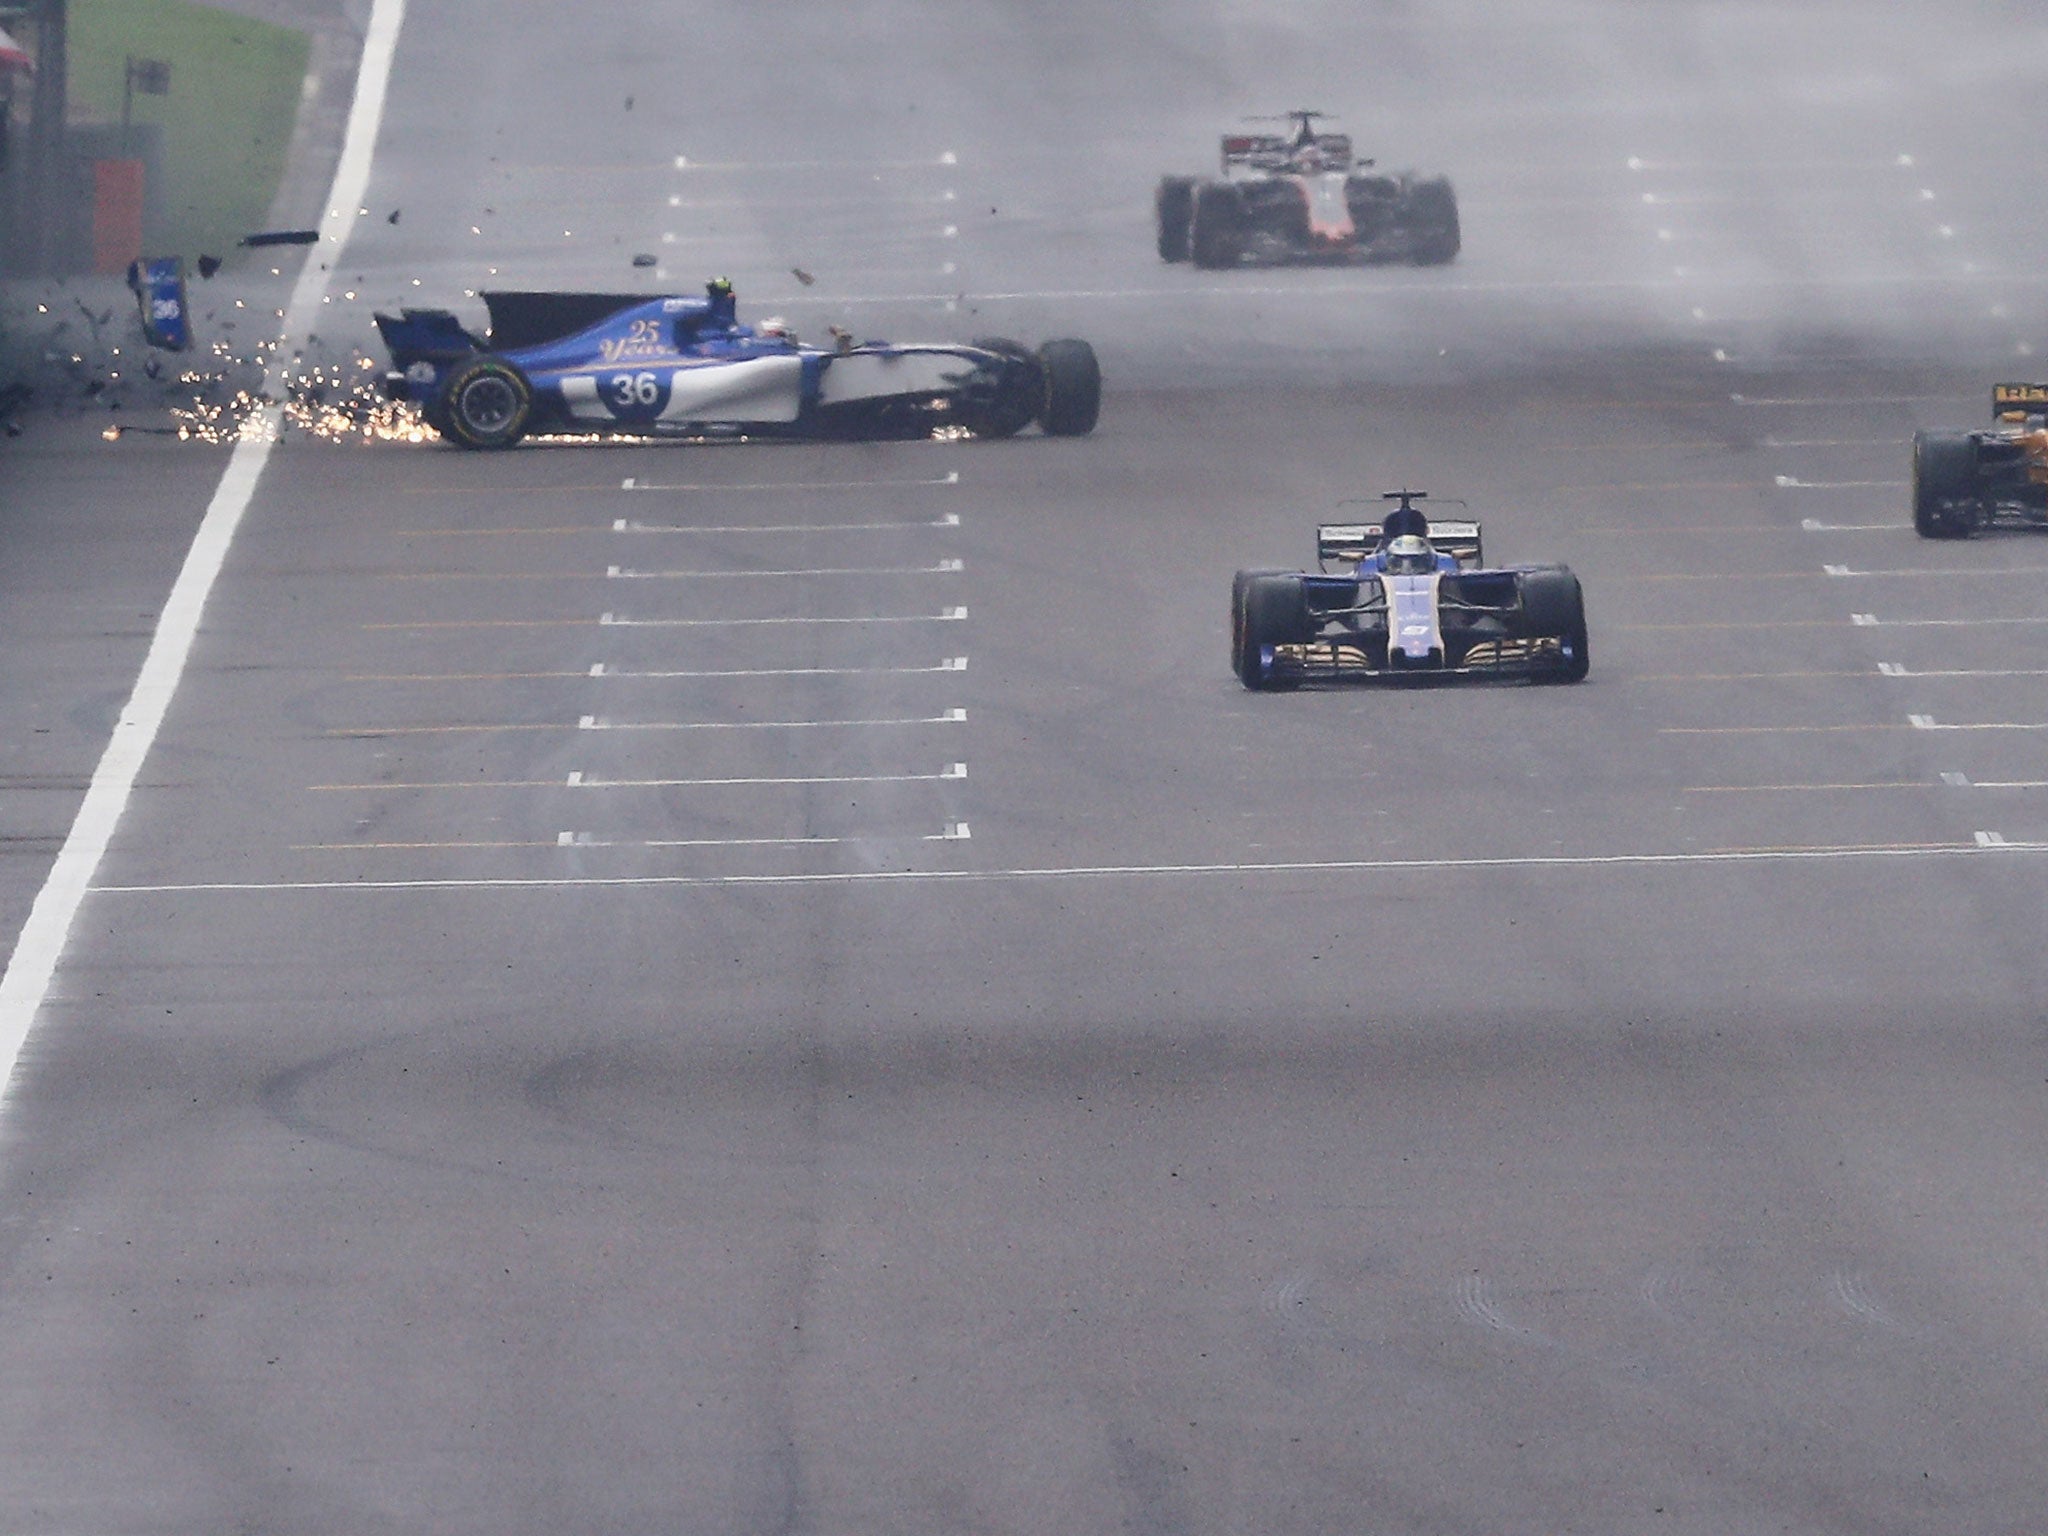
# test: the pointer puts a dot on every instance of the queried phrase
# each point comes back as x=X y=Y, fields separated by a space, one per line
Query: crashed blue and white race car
x=1410 y=599
x=685 y=366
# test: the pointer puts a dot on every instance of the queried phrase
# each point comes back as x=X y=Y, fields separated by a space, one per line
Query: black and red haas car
x=1302 y=197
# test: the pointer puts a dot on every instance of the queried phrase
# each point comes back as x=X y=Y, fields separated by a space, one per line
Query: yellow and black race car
x=1993 y=477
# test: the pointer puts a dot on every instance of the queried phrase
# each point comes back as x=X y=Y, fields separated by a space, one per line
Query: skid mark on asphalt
x=1852 y=1294
x=1473 y=1296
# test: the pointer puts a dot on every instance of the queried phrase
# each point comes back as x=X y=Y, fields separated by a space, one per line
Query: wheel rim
x=489 y=404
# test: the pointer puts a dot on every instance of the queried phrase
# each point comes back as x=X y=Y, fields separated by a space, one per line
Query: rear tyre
x=1006 y=403
x=1175 y=206
x=1433 y=214
x=1073 y=388
x=1216 y=237
x=487 y=404
x=1946 y=500
x=1272 y=614
x=1554 y=608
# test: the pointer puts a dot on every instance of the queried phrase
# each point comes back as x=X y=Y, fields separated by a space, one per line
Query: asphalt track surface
x=750 y=988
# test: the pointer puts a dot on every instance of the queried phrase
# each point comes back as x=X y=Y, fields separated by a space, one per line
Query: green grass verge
x=227 y=122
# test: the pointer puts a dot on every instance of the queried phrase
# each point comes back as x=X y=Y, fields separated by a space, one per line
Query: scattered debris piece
x=12 y=398
x=158 y=283
x=393 y=218
x=281 y=237
x=643 y=260
x=208 y=265
x=802 y=276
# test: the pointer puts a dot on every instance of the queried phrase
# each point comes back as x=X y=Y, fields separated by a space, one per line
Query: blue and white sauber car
x=1411 y=599
x=685 y=366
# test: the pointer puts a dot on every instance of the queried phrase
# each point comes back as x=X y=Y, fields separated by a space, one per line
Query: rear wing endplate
x=2019 y=399
x=1352 y=542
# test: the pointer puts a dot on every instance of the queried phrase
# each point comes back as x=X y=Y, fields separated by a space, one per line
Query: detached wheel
x=1073 y=388
x=1433 y=214
x=1554 y=608
x=1216 y=237
x=1946 y=501
x=1010 y=401
x=1272 y=614
x=486 y=404
x=1175 y=205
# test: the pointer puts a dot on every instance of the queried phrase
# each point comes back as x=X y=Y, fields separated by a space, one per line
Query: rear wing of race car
x=534 y=319
x=1272 y=151
x=2019 y=400
x=1352 y=542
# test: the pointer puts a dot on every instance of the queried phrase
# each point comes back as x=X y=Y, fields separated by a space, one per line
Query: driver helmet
x=1311 y=158
x=1410 y=555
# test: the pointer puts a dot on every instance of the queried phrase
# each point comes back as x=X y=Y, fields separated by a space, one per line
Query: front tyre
x=1272 y=613
x=1946 y=501
x=1216 y=238
x=1174 y=204
x=1554 y=608
x=1433 y=215
x=1073 y=389
x=487 y=404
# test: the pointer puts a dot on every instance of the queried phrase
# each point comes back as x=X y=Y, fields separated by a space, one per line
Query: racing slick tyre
x=1073 y=389
x=1175 y=203
x=1554 y=608
x=1271 y=613
x=1944 y=475
x=1216 y=237
x=1010 y=403
x=1433 y=214
x=1239 y=584
x=486 y=404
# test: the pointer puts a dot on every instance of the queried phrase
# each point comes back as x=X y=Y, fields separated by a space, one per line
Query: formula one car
x=1997 y=477
x=1413 y=600
x=1300 y=197
x=685 y=366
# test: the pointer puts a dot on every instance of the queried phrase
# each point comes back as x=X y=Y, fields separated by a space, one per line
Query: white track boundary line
x=33 y=964
x=1560 y=862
